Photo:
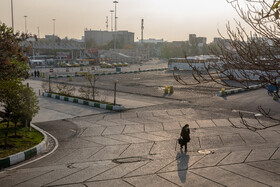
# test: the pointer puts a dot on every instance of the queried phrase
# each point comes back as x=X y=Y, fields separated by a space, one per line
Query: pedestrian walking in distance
x=38 y=73
x=185 y=137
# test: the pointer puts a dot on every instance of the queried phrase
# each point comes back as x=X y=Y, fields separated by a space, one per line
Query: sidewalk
x=128 y=100
x=138 y=149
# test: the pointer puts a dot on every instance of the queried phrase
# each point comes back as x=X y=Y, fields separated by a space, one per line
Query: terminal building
x=105 y=37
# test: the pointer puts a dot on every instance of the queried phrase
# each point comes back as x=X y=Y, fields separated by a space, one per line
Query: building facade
x=105 y=37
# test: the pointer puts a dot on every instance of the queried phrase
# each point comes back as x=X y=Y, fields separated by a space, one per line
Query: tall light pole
x=115 y=14
x=25 y=24
x=112 y=11
x=142 y=29
x=115 y=91
x=12 y=12
x=53 y=26
x=115 y=43
x=38 y=32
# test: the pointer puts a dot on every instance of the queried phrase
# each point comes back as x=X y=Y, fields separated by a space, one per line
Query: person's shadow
x=182 y=165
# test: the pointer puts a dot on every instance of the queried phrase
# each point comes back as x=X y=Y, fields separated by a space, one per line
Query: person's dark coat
x=185 y=134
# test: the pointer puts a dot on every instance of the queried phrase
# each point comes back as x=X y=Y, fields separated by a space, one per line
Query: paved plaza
x=138 y=148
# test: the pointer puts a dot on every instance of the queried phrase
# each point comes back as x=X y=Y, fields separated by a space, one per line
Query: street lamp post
x=115 y=43
x=53 y=26
x=38 y=32
x=12 y=12
x=115 y=91
x=25 y=23
x=112 y=19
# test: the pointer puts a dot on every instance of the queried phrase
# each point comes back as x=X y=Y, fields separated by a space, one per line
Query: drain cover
x=205 y=152
x=129 y=160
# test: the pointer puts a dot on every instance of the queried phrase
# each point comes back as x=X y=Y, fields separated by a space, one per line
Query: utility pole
x=115 y=14
x=12 y=12
x=142 y=29
x=53 y=27
x=25 y=24
x=112 y=11
x=38 y=32
x=115 y=34
x=115 y=91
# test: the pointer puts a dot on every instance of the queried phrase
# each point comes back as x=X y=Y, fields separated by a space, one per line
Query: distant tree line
x=187 y=48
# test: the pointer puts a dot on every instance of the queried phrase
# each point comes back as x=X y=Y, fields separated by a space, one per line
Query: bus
x=196 y=61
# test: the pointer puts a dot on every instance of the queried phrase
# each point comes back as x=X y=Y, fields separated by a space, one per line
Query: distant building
x=152 y=41
x=105 y=37
x=130 y=56
x=217 y=39
x=192 y=38
x=51 y=37
x=126 y=37
x=199 y=41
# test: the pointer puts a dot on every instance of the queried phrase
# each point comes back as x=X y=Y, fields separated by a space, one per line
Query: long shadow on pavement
x=182 y=164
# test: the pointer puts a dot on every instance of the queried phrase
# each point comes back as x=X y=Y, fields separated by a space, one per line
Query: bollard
x=275 y=96
x=171 y=90
x=166 y=90
x=39 y=92
x=223 y=92
x=70 y=78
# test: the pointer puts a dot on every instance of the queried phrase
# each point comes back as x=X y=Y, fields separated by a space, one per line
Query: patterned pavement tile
x=225 y=177
x=255 y=174
x=149 y=181
x=187 y=178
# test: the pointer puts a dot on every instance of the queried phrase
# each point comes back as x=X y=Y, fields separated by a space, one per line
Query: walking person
x=185 y=137
x=38 y=73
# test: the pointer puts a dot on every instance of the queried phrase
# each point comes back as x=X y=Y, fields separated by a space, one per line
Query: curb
x=109 y=73
x=84 y=102
x=239 y=90
x=22 y=156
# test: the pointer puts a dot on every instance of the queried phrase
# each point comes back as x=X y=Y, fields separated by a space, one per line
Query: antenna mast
x=107 y=26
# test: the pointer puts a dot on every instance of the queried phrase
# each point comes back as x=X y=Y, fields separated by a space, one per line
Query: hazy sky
x=172 y=20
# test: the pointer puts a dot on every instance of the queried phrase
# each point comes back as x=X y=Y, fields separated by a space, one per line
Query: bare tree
x=65 y=89
x=246 y=57
x=90 y=89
